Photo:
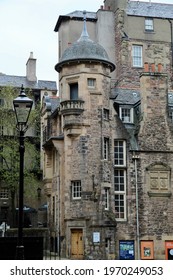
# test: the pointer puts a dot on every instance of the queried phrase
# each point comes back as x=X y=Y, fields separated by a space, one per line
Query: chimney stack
x=31 y=69
x=154 y=131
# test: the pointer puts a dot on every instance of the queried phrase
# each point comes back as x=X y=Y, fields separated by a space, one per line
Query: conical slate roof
x=84 y=50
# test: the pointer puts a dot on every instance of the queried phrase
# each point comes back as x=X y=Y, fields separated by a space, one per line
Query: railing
x=68 y=107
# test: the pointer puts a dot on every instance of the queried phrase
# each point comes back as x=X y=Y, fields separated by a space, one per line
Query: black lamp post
x=22 y=107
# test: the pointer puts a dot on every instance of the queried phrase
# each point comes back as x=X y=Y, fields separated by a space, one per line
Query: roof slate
x=126 y=96
x=91 y=16
x=149 y=9
x=17 y=81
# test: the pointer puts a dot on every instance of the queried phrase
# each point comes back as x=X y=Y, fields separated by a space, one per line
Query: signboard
x=96 y=237
x=147 y=250
x=126 y=250
x=169 y=250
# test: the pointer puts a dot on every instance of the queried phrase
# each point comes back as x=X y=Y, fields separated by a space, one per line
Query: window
x=53 y=209
x=1 y=130
x=76 y=189
x=171 y=114
x=106 y=114
x=3 y=193
x=149 y=24
x=91 y=83
x=137 y=56
x=120 y=194
x=120 y=179
x=119 y=153
x=106 y=198
x=1 y=102
x=126 y=114
x=74 y=91
x=105 y=148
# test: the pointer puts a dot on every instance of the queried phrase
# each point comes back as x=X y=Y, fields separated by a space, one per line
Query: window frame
x=106 y=114
x=137 y=56
x=106 y=148
x=91 y=82
x=149 y=24
x=73 y=91
x=170 y=113
x=121 y=194
x=120 y=168
x=131 y=115
x=107 y=194
x=76 y=188
x=4 y=193
x=119 y=158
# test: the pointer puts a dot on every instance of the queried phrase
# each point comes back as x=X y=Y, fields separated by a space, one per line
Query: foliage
x=9 y=146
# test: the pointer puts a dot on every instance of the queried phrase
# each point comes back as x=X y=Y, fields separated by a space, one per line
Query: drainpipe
x=136 y=158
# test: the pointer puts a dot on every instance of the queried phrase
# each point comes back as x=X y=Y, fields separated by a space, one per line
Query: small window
x=91 y=83
x=3 y=193
x=149 y=24
x=171 y=114
x=106 y=114
x=1 y=102
x=105 y=148
x=1 y=130
x=76 y=189
x=126 y=114
x=106 y=198
x=137 y=56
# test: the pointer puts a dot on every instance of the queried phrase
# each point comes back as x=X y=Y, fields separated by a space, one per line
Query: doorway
x=77 y=248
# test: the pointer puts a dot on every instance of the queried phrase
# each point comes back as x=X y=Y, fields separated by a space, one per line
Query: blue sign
x=126 y=250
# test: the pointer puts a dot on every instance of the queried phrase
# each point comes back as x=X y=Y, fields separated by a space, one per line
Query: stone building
x=108 y=154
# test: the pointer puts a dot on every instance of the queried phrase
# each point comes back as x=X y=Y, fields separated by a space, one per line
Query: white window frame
x=149 y=24
x=127 y=119
x=137 y=57
x=76 y=190
x=121 y=194
x=120 y=149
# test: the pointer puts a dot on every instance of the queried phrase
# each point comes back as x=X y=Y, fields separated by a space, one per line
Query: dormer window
x=126 y=114
x=149 y=24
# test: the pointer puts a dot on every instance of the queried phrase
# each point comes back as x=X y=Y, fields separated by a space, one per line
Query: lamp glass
x=22 y=107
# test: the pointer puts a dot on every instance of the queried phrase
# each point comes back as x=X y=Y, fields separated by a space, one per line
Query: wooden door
x=77 y=250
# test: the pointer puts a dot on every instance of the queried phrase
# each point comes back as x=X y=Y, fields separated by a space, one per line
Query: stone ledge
x=159 y=194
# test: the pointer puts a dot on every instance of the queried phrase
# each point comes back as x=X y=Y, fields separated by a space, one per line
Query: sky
x=28 y=26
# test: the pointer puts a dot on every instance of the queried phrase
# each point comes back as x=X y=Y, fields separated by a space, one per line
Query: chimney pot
x=146 y=67
x=160 y=67
x=152 y=67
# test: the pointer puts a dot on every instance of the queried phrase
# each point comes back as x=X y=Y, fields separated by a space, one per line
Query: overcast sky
x=28 y=26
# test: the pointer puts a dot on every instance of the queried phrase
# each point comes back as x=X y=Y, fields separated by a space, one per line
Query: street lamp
x=22 y=107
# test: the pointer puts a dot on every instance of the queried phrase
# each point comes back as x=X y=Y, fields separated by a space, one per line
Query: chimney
x=154 y=88
x=31 y=69
x=153 y=132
